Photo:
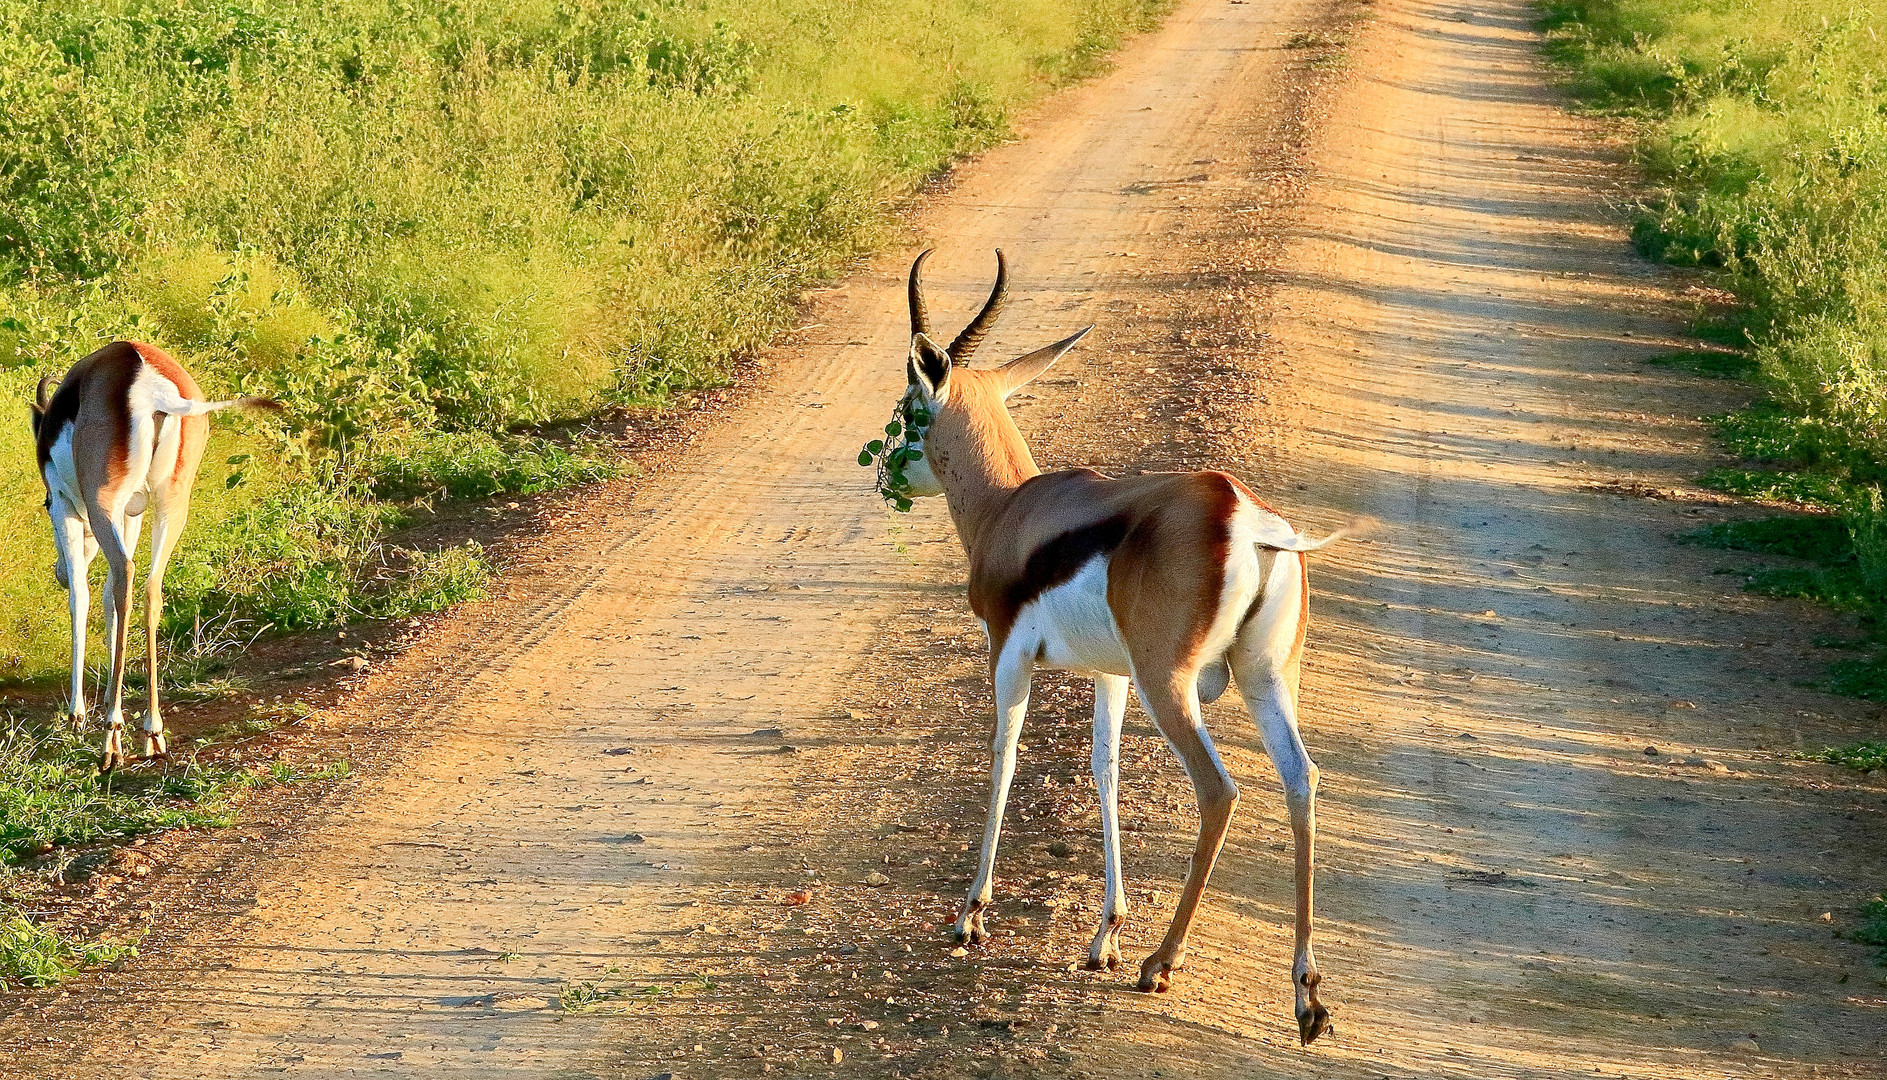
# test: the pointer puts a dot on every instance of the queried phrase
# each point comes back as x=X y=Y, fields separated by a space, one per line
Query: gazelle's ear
x=930 y=364
x=1017 y=373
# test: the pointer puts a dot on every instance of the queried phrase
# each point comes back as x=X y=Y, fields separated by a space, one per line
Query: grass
x=1709 y=363
x=33 y=956
x=1759 y=126
x=52 y=796
x=1823 y=563
x=1863 y=756
x=589 y=996
x=59 y=818
x=1873 y=926
x=438 y=228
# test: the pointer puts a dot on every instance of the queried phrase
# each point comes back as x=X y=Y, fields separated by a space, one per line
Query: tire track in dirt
x=1510 y=886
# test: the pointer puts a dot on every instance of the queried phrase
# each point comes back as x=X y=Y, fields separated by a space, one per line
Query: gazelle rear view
x=1179 y=582
x=121 y=437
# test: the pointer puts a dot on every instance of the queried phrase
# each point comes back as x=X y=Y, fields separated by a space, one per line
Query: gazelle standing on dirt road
x=122 y=436
x=1178 y=582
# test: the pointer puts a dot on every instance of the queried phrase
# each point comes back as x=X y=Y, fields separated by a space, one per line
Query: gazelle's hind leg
x=119 y=571
x=1012 y=703
x=1265 y=663
x=1110 y=708
x=166 y=525
x=75 y=556
x=1174 y=705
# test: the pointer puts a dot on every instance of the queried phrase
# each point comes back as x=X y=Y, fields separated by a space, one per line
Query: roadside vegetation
x=439 y=231
x=61 y=823
x=446 y=235
x=1762 y=126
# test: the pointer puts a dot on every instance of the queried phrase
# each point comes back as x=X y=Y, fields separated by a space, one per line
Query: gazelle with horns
x=121 y=438
x=1175 y=582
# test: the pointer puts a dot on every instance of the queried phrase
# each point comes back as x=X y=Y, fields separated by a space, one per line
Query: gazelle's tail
x=177 y=405
x=1357 y=527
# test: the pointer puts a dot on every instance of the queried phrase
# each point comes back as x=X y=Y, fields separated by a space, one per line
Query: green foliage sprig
x=893 y=453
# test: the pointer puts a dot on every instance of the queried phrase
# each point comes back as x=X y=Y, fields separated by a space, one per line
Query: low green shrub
x=1873 y=926
x=476 y=465
x=33 y=956
x=1864 y=756
x=51 y=793
x=430 y=226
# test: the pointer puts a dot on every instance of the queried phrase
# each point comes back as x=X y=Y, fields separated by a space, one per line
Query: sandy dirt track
x=1394 y=289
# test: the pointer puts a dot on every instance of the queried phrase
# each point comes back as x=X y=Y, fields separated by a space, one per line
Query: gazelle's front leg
x=1110 y=708
x=1013 y=670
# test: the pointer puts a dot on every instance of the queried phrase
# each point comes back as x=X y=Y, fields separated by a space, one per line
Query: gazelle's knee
x=1218 y=794
x=1300 y=778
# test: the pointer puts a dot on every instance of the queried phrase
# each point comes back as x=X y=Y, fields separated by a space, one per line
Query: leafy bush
x=33 y=956
x=473 y=465
x=1864 y=756
x=430 y=225
x=1873 y=928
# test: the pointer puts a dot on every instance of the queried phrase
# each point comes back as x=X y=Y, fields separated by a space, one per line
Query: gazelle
x=121 y=437
x=1177 y=582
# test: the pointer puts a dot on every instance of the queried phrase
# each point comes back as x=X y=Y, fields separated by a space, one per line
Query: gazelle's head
x=951 y=418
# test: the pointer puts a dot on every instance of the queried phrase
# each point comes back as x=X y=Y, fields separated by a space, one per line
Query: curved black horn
x=920 y=318
x=40 y=400
x=972 y=335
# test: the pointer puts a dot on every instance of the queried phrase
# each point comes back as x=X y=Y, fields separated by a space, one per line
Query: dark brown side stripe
x=1053 y=564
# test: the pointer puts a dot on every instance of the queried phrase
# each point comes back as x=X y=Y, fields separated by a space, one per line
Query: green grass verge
x=1758 y=124
x=434 y=226
x=33 y=956
x=59 y=820
x=1873 y=927
x=52 y=796
x=1864 y=756
x=1711 y=364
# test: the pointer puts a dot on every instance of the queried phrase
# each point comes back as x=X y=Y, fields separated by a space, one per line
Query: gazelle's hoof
x=1312 y=1023
x=112 y=755
x=1104 y=954
x=970 y=929
x=1156 y=976
x=155 y=748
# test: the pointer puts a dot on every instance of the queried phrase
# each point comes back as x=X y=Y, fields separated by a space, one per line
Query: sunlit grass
x=430 y=226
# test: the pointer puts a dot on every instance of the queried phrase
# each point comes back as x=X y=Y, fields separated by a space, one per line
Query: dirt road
x=1384 y=283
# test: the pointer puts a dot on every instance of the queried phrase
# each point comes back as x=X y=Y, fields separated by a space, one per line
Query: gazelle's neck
x=978 y=455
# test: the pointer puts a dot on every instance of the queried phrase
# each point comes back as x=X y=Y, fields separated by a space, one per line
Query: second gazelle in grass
x=1175 y=582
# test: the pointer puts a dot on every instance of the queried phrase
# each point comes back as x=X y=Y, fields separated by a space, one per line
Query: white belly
x=1070 y=627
